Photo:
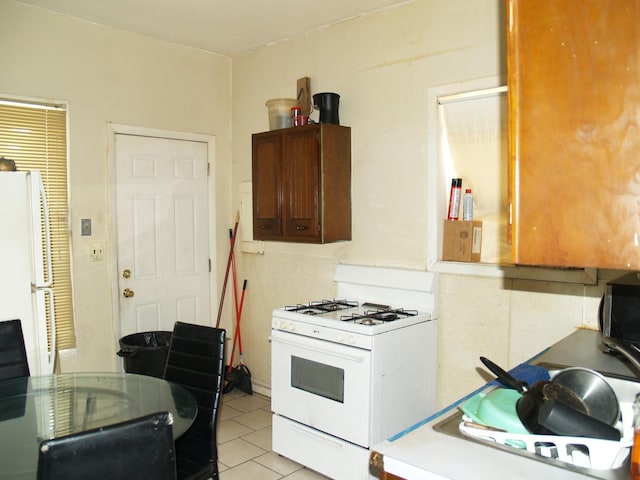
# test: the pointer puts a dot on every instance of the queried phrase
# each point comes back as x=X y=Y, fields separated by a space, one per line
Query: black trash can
x=145 y=353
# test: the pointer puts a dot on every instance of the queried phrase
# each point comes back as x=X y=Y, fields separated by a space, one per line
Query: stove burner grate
x=376 y=317
x=322 y=306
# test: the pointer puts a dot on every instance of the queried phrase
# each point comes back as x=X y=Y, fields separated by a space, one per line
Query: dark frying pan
x=535 y=396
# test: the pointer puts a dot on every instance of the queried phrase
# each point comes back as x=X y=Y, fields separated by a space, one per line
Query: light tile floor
x=244 y=442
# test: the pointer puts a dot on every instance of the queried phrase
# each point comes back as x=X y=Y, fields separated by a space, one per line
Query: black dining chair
x=138 y=449
x=196 y=362
x=13 y=354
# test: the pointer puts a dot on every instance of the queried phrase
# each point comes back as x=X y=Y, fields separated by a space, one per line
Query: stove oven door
x=322 y=384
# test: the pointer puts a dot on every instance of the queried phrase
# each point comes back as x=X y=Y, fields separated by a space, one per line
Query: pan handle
x=563 y=419
x=629 y=350
x=504 y=378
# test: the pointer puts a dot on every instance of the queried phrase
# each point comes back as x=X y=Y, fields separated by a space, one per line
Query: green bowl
x=496 y=408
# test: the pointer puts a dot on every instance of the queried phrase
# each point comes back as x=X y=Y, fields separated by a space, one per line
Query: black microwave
x=620 y=309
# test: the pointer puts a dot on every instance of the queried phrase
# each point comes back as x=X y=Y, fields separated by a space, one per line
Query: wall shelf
x=485 y=174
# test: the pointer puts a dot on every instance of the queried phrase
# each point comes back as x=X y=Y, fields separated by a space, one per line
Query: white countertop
x=420 y=452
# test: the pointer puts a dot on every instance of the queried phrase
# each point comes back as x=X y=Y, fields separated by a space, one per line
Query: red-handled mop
x=239 y=376
x=236 y=336
x=235 y=301
x=226 y=275
x=243 y=374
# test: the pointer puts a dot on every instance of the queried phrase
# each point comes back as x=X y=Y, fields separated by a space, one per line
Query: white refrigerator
x=26 y=275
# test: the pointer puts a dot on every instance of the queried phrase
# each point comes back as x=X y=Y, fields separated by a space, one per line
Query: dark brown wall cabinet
x=574 y=132
x=302 y=184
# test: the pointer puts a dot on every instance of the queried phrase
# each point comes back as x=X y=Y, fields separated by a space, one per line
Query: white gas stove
x=350 y=371
x=349 y=322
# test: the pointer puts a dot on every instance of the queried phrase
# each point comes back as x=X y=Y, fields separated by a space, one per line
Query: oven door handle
x=324 y=351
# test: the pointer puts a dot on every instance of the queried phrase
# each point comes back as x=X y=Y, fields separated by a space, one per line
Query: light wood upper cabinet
x=574 y=132
x=302 y=184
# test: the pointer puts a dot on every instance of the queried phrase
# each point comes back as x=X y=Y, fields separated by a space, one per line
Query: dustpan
x=240 y=377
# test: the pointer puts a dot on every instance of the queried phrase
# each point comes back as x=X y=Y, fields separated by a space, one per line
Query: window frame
x=64 y=298
x=438 y=195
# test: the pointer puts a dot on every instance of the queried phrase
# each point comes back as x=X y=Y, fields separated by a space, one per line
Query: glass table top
x=36 y=408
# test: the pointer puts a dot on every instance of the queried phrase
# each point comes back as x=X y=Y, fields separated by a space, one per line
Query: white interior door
x=162 y=232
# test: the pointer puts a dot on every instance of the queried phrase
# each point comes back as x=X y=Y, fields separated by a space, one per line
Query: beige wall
x=382 y=66
x=108 y=75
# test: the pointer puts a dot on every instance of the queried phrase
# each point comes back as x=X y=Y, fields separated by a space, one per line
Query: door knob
x=128 y=293
x=126 y=273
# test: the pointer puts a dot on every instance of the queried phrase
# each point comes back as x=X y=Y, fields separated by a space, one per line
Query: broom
x=243 y=374
x=239 y=376
x=226 y=274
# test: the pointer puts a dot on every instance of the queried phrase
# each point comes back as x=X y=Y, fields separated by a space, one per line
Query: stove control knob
x=352 y=339
x=292 y=327
x=283 y=325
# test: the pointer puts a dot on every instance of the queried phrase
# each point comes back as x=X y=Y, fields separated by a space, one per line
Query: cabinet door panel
x=301 y=161
x=302 y=184
x=267 y=187
x=574 y=110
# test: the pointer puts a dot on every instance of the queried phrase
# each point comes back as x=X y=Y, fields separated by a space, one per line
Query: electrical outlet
x=96 y=252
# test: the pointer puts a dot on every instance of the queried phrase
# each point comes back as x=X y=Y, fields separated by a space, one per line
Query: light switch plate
x=85 y=227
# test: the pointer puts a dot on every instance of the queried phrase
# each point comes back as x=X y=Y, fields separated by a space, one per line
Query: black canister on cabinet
x=327 y=103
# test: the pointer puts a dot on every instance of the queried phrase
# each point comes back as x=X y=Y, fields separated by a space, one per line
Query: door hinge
x=209 y=265
x=208 y=169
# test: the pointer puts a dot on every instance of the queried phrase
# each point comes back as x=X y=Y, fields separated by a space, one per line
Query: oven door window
x=317 y=378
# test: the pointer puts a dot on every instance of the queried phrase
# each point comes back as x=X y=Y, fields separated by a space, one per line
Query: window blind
x=35 y=137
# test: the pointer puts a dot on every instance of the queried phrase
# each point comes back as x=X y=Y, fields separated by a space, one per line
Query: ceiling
x=229 y=27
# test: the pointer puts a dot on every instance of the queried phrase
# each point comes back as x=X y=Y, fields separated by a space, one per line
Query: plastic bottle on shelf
x=454 y=199
x=467 y=205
